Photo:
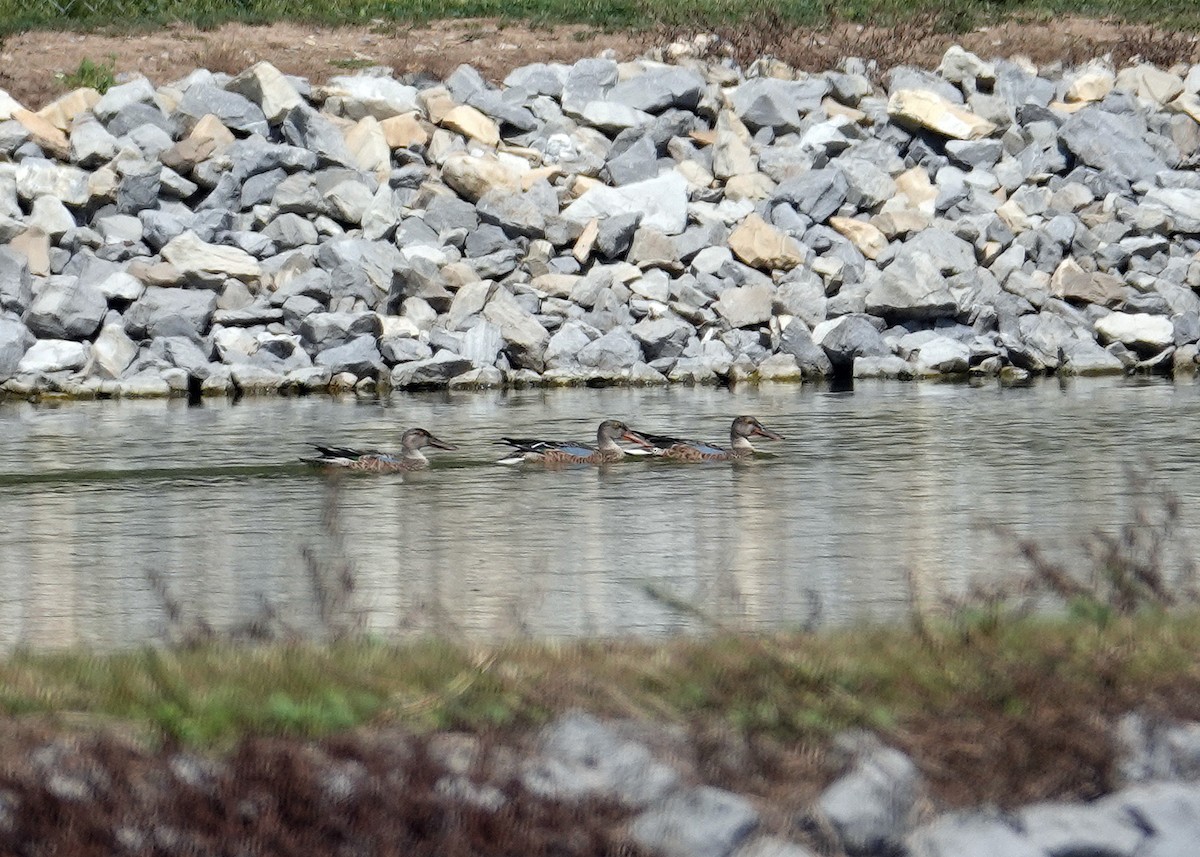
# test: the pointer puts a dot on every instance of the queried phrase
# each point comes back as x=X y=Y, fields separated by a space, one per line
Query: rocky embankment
x=601 y=222
x=583 y=787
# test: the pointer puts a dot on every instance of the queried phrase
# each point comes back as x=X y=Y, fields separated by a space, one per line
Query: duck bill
x=440 y=444
x=634 y=437
x=767 y=433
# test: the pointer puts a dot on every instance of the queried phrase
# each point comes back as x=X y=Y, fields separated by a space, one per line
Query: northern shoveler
x=678 y=449
x=372 y=461
x=605 y=451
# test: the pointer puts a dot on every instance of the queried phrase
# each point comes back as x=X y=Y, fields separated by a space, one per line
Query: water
x=875 y=497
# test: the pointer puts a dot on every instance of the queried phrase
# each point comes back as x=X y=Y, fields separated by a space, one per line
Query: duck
x=740 y=448
x=372 y=461
x=606 y=450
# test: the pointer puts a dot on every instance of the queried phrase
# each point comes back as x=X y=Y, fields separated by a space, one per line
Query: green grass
x=787 y=687
x=96 y=75
x=960 y=15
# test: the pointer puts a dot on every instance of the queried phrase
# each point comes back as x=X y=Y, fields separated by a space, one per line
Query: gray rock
x=1086 y=357
x=53 y=355
x=871 y=807
x=235 y=111
x=112 y=352
x=611 y=352
x=434 y=372
x=305 y=128
x=525 y=336
x=661 y=201
x=848 y=337
x=360 y=356
x=746 y=306
x=66 y=308
x=482 y=343
x=970 y=835
x=777 y=104
x=170 y=312
x=1063 y=829
x=324 y=330
x=517 y=214
x=587 y=81
x=616 y=233
x=659 y=89
x=817 y=194
x=15 y=339
x=797 y=341
x=581 y=758
x=912 y=288
x=1112 y=143
x=663 y=337
x=637 y=163
x=16 y=285
x=696 y=822
x=571 y=338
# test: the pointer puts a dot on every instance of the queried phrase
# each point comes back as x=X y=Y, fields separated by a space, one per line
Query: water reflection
x=871 y=489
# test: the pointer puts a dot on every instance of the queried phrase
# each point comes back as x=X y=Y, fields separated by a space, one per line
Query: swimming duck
x=605 y=451
x=678 y=449
x=372 y=461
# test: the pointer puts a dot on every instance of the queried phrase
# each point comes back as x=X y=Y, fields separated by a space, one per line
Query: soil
x=33 y=64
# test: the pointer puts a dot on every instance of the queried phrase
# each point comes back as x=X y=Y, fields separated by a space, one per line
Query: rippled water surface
x=874 y=497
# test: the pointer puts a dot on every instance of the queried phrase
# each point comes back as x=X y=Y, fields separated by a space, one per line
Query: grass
x=99 y=76
x=950 y=15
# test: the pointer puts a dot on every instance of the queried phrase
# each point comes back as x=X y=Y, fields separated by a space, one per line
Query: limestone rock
x=929 y=110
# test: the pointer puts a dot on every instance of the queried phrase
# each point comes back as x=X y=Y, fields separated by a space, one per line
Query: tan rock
x=469 y=122
x=34 y=245
x=704 y=136
x=834 y=108
x=919 y=190
x=929 y=110
x=1068 y=106
x=369 y=148
x=761 y=245
x=749 y=186
x=188 y=252
x=44 y=133
x=1072 y=283
x=696 y=175
x=63 y=109
x=1150 y=83
x=404 y=130
x=1092 y=85
x=1188 y=103
x=901 y=222
x=1014 y=218
x=471 y=177
x=437 y=102
x=732 y=155
x=155 y=273
x=533 y=176
x=869 y=240
x=208 y=137
x=266 y=86
x=586 y=242
x=102 y=184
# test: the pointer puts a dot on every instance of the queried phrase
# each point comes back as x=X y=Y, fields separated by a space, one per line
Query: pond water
x=113 y=512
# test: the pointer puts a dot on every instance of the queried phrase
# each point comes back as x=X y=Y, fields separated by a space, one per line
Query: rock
x=437 y=371
x=761 y=245
x=1181 y=204
x=112 y=352
x=1085 y=357
x=1139 y=331
x=848 y=337
x=324 y=330
x=968 y=834
x=360 y=356
x=866 y=237
x=816 y=194
x=265 y=86
x=746 y=306
x=1111 y=143
x=871 y=807
x=15 y=340
x=581 y=757
x=1059 y=828
x=661 y=202
x=611 y=352
x=471 y=177
x=192 y=256
x=525 y=336
x=66 y=308
x=1071 y=282
x=797 y=341
x=358 y=96
x=170 y=312
x=931 y=111
x=698 y=822
x=53 y=355
x=942 y=355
